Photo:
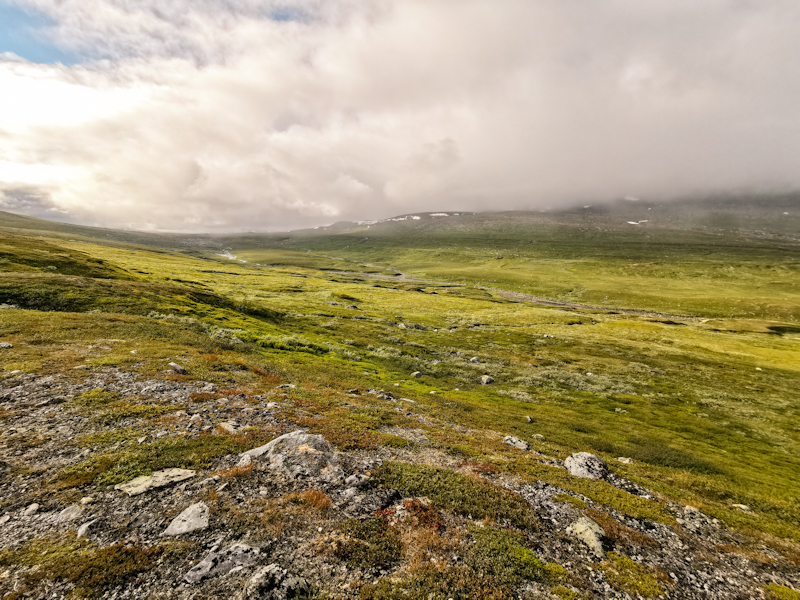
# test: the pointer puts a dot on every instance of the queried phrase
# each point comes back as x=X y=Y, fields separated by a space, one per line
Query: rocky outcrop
x=298 y=455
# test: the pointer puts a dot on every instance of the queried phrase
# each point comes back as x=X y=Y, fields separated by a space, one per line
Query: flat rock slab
x=298 y=455
x=516 y=443
x=222 y=562
x=71 y=513
x=144 y=483
x=586 y=465
x=193 y=518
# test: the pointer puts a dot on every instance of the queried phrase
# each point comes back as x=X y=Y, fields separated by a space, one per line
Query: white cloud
x=214 y=115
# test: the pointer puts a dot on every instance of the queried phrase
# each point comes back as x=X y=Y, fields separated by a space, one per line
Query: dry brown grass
x=202 y=396
x=749 y=553
x=477 y=467
x=317 y=498
x=237 y=471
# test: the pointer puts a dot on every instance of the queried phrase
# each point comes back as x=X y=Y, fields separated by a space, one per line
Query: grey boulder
x=486 y=379
x=590 y=533
x=586 y=465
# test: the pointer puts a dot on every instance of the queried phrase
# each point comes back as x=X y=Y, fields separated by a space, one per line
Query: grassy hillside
x=697 y=384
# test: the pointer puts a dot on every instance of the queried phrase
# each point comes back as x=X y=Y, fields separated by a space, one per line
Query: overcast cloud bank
x=256 y=115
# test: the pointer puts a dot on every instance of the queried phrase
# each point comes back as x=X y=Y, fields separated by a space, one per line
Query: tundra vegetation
x=674 y=343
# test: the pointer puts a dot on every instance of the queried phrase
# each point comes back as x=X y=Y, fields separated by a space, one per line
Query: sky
x=264 y=115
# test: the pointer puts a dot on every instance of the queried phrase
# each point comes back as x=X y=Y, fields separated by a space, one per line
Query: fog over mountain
x=265 y=115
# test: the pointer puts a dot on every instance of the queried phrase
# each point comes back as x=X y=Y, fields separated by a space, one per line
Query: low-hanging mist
x=267 y=115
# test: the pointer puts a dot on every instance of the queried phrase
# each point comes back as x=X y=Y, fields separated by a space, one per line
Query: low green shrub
x=458 y=493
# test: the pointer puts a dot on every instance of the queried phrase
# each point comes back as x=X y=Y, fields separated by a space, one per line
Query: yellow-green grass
x=711 y=407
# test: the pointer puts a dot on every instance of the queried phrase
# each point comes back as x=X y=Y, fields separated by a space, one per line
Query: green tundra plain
x=674 y=341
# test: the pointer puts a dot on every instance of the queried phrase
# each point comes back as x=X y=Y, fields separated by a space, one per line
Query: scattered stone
x=229 y=427
x=31 y=510
x=275 y=583
x=416 y=374
x=742 y=507
x=5 y=346
x=486 y=379
x=516 y=443
x=586 y=465
x=222 y=562
x=84 y=529
x=624 y=460
x=287 y=386
x=590 y=533
x=621 y=411
x=144 y=483
x=402 y=326
x=475 y=360
x=71 y=513
x=178 y=369
x=193 y=518
x=529 y=419
x=299 y=455
x=5 y=519
x=354 y=391
x=537 y=436
x=273 y=405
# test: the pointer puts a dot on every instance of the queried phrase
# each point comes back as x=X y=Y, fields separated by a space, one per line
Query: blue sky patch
x=23 y=32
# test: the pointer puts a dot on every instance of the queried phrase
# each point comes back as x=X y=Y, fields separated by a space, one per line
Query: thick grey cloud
x=215 y=114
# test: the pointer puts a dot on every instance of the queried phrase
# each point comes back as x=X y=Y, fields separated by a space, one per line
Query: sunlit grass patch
x=129 y=461
x=458 y=493
x=629 y=576
x=88 y=567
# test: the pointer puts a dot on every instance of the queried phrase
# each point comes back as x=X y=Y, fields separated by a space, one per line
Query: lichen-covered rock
x=222 y=562
x=193 y=518
x=586 y=465
x=590 y=533
x=516 y=443
x=144 y=483
x=273 y=582
x=298 y=455
x=71 y=513
x=486 y=379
